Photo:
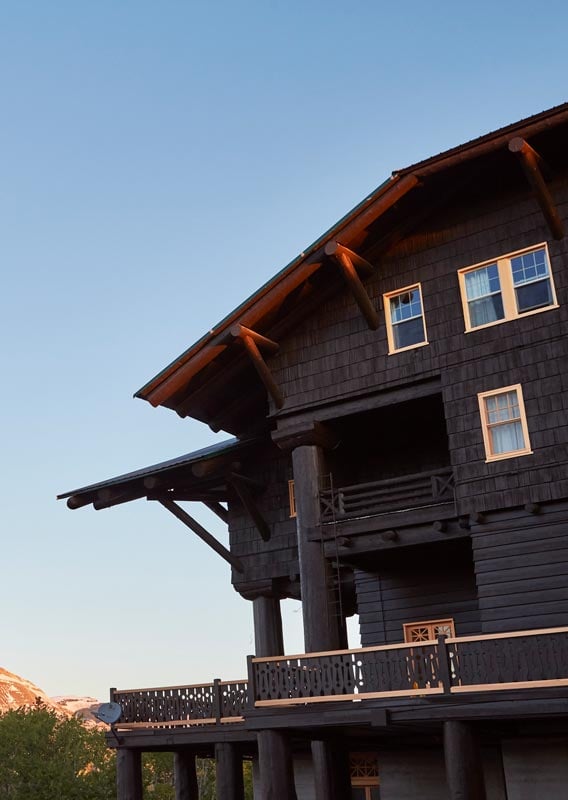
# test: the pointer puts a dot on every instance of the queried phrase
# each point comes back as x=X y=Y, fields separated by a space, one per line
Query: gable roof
x=198 y=382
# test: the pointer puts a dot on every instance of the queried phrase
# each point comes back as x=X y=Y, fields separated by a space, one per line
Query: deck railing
x=444 y=667
x=175 y=706
x=381 y=497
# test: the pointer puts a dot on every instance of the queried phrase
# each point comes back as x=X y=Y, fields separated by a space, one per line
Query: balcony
x=444 y=668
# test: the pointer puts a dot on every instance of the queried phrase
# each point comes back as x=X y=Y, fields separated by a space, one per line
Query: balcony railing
x=444 y=667
x=178 y=706
x=381 y=497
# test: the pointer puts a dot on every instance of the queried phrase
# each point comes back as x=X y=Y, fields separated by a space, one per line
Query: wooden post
x=268 y=638
x=128 y=774
x=464 y=772
x=185 y=775
x=323 y=626
x=276 y=767
x=229 y=772
x=331 y=771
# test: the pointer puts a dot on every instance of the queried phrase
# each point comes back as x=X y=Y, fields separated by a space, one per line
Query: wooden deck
x=445 y=667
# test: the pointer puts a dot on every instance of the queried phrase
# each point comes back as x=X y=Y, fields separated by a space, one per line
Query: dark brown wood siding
x=521 y=566
x=414 y=587
x=279 y=556
x=333 y=355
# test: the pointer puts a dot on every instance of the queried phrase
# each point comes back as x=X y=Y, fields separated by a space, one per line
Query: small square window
x=429 y=630
x=405 y=319
x=504 y=424
x=511 y=286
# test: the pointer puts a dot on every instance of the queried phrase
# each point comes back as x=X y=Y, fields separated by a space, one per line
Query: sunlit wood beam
x=532 y=164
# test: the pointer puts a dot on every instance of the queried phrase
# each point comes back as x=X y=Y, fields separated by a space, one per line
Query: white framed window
x=406 y=327
x=504 y=423
x=511 y=286
x=428 y=630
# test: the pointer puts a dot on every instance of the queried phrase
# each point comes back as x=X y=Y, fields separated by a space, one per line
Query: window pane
x=481 y=282
x=529 y=266
x=376 y=794
x=533 y=295
x=357 y=794
x=408 y=333
x=489 y=309
x=506 y=438
x=405 y=306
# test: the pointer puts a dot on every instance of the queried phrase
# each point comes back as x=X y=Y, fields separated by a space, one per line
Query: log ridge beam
x=532 y=165
x=253 y=342
x=347 y=261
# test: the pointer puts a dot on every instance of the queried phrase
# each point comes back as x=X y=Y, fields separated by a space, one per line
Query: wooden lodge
x=398 y=396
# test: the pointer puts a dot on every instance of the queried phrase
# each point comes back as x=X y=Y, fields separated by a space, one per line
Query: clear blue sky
x=159 y=162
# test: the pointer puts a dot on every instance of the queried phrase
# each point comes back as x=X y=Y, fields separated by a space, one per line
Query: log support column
x=128 y=774
x=276 y=767
x=268 y=638
x=324 y=626
x=185 y=775
x=464 y=771
x=331 y=770
x=229 y=772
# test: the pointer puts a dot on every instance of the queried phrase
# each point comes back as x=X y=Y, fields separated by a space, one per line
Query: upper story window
x=405 y=319
x=504 y=423
x=511 y=286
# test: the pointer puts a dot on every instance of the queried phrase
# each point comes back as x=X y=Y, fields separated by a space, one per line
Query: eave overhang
x=194 y=476
x=191 y=384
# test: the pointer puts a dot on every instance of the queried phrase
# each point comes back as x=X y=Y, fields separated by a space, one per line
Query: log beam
x=331 y=770
x=204 y=535
x=324 y=628
x=268 y=638
x=229 y=772
x=185 y=775
x=218 y=509
x=128 y=774
x=344 y=258
x=241 y=488
x=532 y=167
x=262 y=342
x=263 y=371
x=333 y=249
x=464 y=771
x=275 y=765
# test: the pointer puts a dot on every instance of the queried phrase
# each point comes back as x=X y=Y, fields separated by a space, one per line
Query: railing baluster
x=251 y=682
x=217 y=701
x=445 y=674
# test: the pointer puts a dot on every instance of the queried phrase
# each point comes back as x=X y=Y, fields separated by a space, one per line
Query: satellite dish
x=109 y=713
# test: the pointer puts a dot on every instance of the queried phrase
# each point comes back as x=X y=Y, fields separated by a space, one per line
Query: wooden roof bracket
x=252 y=342
x=240 y=486
x=348 y=261
x=198 y=529
x=532 y=165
